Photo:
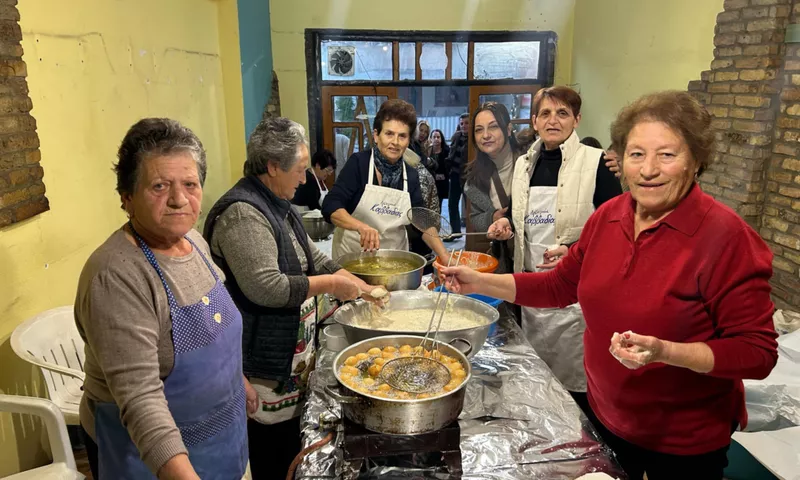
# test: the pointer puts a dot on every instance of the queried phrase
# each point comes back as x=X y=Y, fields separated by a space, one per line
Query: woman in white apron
x=557 y=185
x=372 y=195
x=274 y=272
x=311 y=194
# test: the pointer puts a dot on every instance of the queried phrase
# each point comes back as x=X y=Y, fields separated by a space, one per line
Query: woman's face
x=488 y=134
x=322 y=173
x=554 y=123
x=436 y=139
x=424 y=132
x=393 y=139
x=284 y=184
x=166 y=202
x=658 y=167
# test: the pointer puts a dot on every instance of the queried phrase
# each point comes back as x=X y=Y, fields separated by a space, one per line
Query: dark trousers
x=272 y=448
x=636 y=461
x=454 y=200
x=91 y=453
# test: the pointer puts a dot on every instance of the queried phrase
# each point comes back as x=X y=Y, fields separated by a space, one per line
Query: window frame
x=313 y=50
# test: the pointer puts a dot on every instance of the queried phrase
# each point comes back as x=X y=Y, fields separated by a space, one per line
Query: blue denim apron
x=205 y=391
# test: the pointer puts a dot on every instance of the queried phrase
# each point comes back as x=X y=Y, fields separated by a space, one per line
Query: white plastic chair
x=63 y=466
x=51 y=341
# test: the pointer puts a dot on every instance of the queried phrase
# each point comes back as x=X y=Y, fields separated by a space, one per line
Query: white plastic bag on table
x=774 y=403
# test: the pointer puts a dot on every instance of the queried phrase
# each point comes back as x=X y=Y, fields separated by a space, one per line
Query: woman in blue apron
x=164 y=393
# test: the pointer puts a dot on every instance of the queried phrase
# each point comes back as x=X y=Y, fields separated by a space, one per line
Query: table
x=518 y=421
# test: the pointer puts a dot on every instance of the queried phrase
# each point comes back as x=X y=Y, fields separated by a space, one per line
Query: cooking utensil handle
x=467 y=350
x=339 y=397
x=429 y=261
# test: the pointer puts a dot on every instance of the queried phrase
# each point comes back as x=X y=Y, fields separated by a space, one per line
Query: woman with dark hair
x=591 y=142
x=488 y=177
x=311 y=193
x=439 y=152
x=369 y=201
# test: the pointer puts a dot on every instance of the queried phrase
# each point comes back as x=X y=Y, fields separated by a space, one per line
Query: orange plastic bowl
x=481 y=262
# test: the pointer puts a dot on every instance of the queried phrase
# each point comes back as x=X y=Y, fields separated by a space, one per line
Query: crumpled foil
x=774 y=402
x=518 y=422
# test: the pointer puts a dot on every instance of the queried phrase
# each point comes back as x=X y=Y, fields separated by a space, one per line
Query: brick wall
x=21 y=187
x=753 y=91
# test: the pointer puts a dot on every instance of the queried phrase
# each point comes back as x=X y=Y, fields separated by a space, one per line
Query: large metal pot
x=394 y=282
x=350 y=314
x=394 y=416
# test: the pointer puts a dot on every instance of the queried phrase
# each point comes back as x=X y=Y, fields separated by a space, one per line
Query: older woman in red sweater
x=675 y=292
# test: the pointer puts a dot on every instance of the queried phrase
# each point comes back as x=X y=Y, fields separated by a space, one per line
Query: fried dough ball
x=375 y=370
x=405 y=349
x=362 y=356
x=379 y=361
x=351 y=361
x=388 y=355
x=384 y=387
x=459 y=373
x=374 y=351
x=389 y=349
x=350 y=370
x=369 y=382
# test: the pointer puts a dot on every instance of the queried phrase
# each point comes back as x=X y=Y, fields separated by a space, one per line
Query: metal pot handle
x=339 y=397
x=429 y=259
x=466 y=349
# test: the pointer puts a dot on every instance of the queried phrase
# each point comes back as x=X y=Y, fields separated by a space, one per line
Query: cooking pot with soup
x=394 y=269
x=409 y=313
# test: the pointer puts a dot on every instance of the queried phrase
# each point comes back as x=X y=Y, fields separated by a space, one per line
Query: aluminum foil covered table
x=518 y=422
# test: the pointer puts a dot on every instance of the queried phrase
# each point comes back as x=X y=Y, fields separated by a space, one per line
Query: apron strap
x=371 y=168
x=151 y=258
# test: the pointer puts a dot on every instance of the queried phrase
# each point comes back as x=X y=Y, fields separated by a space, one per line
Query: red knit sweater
x=700 y=275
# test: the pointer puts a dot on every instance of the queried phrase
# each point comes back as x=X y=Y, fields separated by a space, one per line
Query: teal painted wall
x=255 y=43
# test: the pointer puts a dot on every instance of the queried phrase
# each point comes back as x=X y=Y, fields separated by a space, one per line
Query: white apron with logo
x=282 y=401
x=383 y=209
x=555 y=333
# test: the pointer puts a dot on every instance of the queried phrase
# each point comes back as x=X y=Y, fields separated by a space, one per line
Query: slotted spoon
x=417 y=373
x=432 y=224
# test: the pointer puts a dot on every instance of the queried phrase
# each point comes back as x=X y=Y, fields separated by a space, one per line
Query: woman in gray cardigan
x=488 y=178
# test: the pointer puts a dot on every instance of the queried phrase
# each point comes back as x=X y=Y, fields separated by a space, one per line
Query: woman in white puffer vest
x=557 y=185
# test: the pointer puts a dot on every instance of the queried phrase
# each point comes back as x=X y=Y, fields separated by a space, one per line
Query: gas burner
x=427 y=450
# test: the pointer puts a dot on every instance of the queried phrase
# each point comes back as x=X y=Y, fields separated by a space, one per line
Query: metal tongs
x=418 y=373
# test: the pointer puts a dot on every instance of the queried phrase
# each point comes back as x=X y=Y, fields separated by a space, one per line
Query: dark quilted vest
x=269 y=335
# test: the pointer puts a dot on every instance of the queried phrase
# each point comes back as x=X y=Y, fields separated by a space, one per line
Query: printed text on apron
x=383 y=209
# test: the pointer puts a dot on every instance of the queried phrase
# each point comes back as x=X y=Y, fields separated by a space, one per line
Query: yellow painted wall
x=94 y=68
x=623 y=49
x=289 y=19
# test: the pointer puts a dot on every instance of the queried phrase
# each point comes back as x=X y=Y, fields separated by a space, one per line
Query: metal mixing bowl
x=317 y=228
